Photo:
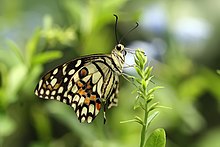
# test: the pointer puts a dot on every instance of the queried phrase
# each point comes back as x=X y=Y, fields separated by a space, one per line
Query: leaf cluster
x=144 y=101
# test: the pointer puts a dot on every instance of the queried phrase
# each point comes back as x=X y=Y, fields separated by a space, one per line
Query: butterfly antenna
x=129 y=31
x=116 y=25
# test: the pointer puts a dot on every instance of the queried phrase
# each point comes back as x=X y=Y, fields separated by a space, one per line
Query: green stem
x=144 y=127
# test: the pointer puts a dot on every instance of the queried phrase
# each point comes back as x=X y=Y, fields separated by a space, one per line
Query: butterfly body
x=86 y=83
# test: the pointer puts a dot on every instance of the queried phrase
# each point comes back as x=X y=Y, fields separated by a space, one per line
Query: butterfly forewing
x=84 y=84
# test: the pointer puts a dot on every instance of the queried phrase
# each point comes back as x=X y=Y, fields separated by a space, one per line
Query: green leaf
x=152 y=117
x=151 y=91
x=147 y=73
x=138 y=71
x=137 y=103
x=46 y=56
x=41 y=123
x=149 y=99
x=16 y=50
x=16 y=77
x=137 y=62
x=138 y=80
x=143 y=57
x=153 y=106
x=156 y=139
x=128 y=121
x=139 y=120
x=144 y=84
x=7 y=124
x=140 y=59
x=31 y=46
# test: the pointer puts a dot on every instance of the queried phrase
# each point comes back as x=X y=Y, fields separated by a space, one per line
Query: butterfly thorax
x=118 y=57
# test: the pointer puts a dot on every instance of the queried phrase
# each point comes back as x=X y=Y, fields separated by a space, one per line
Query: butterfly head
x=118 y=56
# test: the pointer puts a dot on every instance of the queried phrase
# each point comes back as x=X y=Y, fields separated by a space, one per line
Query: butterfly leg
x=128 y=66
x=104 y=114
x=128 y=78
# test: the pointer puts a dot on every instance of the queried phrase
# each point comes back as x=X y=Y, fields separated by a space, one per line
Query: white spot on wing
x=69 y=85
x=47 y=92
x=64 y=101
x=72 y=71
x=58 y=98
x=53 y=82
x=81 y=101
x=74 y=89
x=36 y=92
x=91 y=108
x=77 y=113
x=74 y=106
x=55 y=71
x=94 y=88
x=64 y=70
x=84 y=110
x=41 y=91
x=96 y=111
x=60 y=90
x=76 y=98
x=78 y=63
x=83 y=119
x=40 y=83
x=65 y=79
x=89 y=119
x=53 y=92
x=65 y=94
x=70 y=97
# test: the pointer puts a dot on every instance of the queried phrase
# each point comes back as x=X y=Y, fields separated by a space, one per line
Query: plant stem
x=144 y=127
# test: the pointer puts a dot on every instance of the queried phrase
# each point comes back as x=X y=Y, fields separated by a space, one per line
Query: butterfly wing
x=83 y=83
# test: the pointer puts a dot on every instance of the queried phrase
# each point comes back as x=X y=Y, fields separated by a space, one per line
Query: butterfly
x=86 y=83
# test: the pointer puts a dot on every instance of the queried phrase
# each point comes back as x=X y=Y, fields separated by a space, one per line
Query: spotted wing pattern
x=85 y=84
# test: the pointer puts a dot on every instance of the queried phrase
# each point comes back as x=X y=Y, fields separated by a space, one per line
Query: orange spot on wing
x=82 y=92
x=83 y=73
x=88 y=86
x=93 y=97
x=79 y=84
x=87 y=101
x=98 y=106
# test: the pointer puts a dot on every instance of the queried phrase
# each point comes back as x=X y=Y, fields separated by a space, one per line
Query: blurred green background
x=181 y=40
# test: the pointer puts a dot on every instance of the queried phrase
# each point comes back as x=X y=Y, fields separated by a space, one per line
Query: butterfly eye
x=118 y=47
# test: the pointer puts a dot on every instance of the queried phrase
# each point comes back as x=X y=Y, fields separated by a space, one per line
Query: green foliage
x=20 y=70
x=144 y=100
x=156 y=139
